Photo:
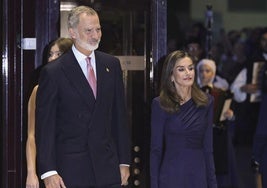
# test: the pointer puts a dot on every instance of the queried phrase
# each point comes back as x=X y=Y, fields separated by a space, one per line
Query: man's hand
x=125 y=173
x=250 y=88
x=54 y=181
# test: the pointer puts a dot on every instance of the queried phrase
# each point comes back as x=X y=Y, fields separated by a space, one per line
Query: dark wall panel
x=11 y=93
x=247 y=5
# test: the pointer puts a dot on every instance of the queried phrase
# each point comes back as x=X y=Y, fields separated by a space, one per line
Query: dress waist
x=189 y=142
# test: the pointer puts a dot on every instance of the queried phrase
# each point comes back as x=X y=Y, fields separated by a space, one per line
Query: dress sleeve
x=208 y=148
x=156 y=150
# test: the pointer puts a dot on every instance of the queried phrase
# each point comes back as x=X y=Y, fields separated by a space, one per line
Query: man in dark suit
x=81 y=131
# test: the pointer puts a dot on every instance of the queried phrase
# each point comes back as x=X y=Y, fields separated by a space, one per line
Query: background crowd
x=235 y=54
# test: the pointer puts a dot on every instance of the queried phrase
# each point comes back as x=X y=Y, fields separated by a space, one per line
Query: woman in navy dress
x=181 y=129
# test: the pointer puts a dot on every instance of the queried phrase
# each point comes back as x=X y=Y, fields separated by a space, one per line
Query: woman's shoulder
x=106 y=55
x=156 y=101
x=157 y=109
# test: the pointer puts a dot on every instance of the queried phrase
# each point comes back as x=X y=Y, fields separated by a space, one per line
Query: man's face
x=87 y=34
x=264 y=42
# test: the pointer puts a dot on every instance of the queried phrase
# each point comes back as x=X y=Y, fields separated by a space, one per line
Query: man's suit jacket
x=83 y=139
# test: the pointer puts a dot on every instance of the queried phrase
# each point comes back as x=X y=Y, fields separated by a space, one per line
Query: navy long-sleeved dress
x=181 y=147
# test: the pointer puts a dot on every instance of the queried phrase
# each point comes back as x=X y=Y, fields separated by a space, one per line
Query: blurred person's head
x=216 y=52
x=195 y=49
x=263 y=40
x=239 y=51
x=197 y=30
x=233 y=36
x=206 y=71
x=58 y=47
x=85 y=29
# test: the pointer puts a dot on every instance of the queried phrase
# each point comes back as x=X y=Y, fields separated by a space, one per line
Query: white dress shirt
x=81 y=58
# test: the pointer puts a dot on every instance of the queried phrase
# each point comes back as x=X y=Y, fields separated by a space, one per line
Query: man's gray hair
x=73 y=17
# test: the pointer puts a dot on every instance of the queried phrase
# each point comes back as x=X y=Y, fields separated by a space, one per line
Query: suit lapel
x=99 y=73
x=74 y=73
x=102 y=70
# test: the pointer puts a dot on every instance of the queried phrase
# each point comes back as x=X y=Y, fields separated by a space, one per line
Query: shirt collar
x=81 y=57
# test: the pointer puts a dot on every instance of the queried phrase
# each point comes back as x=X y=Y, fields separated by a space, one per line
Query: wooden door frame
x=18 y=20
x=11 y=117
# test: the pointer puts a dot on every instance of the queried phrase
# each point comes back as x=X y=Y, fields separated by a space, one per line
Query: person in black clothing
x=260 y=137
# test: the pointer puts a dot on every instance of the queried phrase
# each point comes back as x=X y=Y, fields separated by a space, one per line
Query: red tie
x=91 y=75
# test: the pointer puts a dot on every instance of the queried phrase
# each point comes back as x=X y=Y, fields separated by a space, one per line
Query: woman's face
x=206 y=74
x=183 y=73
x=54 y=53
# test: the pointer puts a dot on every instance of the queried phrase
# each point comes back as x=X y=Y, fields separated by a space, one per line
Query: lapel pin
x=107 y=69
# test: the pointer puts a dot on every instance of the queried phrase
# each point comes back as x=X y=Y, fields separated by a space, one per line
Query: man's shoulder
x=104 y=55
x=63 y=59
